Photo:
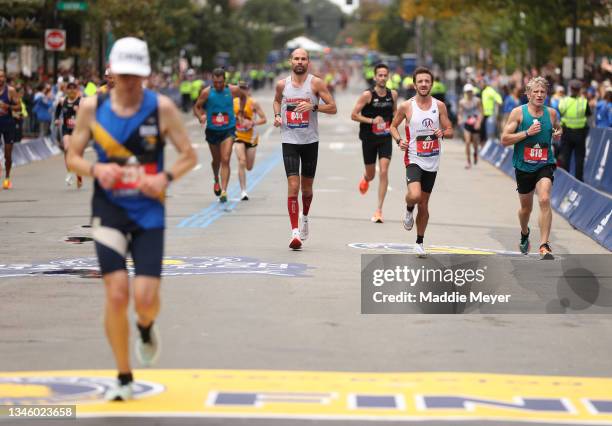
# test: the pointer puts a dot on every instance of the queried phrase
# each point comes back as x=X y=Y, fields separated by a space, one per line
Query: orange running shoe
x=7 y=184
x=363 y=185
x=377 y=218
x=217 y=189
x=546 y=252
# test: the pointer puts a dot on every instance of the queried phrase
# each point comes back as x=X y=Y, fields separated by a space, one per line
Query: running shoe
x=524 y=245
x=546 y=252
x=303 y=227
x=119 y=392
x=468 y=166
x=296 y=242
x=377 y=218
x=363 y=185
x=420 y=250
x=217 y=189
x=409 y=220
x=148 y=353
x=223 y=197
x=7 y=184
x=79 y=182
x=244 y=196
x=68 y=179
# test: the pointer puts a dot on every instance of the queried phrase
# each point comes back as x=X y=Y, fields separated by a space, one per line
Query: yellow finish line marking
x=322 y=395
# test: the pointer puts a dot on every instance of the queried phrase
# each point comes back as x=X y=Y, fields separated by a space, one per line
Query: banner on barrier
x=598 y=162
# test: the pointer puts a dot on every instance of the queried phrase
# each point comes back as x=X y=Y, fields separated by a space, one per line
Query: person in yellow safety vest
x=253 y=78
x=196 y=88
x=261 y=78
x=438 y=90
x=329 y=81
x=574 y=111
x=185 y=90
x=396 y=80
x=369 y=75
x=490 y=103
x=90 y=89
x=408 y=89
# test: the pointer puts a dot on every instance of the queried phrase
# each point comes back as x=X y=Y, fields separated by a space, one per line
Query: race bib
x=70 y=122
x=381 y=129
x=242 y=127
x=220 y=119
x=533 y=155
x=471 y=121
x=296 y=120
x=128 y=184
x=427 y=146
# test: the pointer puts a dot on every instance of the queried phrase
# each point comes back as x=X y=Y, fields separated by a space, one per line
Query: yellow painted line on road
x=323 y=395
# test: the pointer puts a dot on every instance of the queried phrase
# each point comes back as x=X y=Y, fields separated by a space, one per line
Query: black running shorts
x=527 y=181
x=373 y=148
x=7 y=133
x=294 y=154
x=215 y=137
x=415 y=174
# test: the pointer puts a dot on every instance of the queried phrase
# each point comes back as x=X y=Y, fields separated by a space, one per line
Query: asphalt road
x=266 y=307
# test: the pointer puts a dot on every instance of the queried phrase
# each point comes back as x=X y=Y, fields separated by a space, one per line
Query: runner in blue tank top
x=530 y=129
x=129 y=126
x=215 y=109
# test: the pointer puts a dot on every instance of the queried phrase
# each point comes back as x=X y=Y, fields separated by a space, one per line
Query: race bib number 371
x=427 y=146
x=296 y=120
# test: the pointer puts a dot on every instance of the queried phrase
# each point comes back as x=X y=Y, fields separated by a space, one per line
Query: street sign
x=55 y=39
x=72 y=6
x=567 y=67
x=569 y=32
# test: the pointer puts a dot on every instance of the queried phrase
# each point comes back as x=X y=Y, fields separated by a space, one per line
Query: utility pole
x=55 y=52
x=574 y=31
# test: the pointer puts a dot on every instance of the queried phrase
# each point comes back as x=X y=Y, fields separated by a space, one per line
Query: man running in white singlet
x=426 y=123
x=296 y=104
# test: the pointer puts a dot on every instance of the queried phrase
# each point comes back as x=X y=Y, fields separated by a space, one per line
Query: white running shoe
x=148 y=353
x=420 y=250
x=296 y=242
x=68 y=179
x=119 y=392
x=409 y=220
x=244 y=196
x=303 y=227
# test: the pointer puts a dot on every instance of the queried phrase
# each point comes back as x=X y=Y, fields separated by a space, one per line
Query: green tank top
x=534 y=152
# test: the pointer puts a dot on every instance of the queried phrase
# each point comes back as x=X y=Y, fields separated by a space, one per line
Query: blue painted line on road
x=216 y=210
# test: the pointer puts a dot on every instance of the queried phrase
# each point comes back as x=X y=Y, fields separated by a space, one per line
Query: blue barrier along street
x=598 y=161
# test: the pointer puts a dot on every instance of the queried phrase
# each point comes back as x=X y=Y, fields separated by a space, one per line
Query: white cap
x=468 y=88
x=130 y=55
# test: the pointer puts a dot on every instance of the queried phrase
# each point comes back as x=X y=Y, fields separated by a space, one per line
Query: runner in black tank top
x=65 y=115
x=374 y=111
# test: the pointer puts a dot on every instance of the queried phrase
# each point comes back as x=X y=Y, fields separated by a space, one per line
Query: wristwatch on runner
x=315 y=108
